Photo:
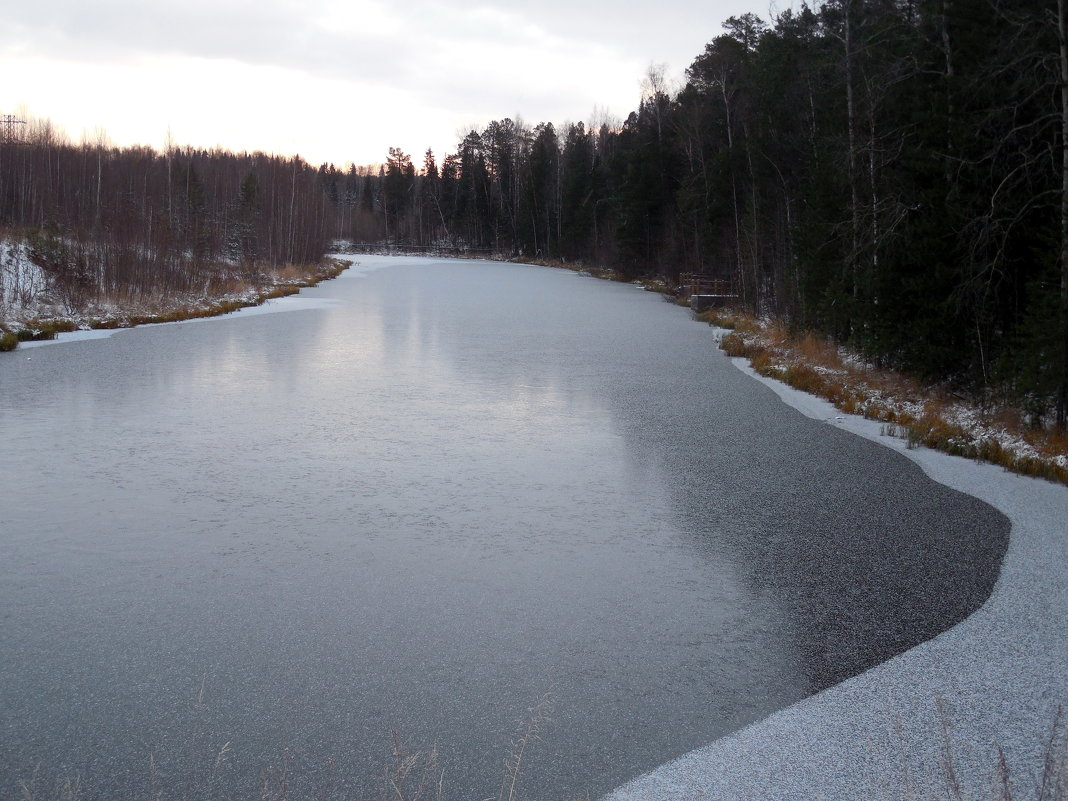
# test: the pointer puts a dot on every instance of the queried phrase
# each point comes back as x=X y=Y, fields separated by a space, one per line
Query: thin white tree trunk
x=1062 y=392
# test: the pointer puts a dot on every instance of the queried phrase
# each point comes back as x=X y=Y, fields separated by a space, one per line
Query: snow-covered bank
x=995 y=680
x=272 y=306
x=104 y=320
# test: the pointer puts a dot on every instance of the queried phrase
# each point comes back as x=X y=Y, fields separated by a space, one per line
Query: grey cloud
x=667 y=30
x=282 y=33
x=285 y=34
x=276 y=34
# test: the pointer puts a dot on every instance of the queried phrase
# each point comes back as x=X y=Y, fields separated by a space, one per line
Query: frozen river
x=247 y=543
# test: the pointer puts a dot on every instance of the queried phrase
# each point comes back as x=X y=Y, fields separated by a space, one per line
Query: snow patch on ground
x=22 y=283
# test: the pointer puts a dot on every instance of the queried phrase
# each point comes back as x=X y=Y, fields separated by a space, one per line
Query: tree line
x=134 y=224
x=893 y=173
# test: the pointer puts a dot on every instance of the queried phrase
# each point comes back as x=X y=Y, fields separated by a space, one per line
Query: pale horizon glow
x=336 y=81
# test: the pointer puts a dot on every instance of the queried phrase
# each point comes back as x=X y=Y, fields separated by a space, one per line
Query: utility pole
x=8 y=123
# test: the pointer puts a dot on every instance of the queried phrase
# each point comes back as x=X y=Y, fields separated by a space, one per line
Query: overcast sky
x=337 y=80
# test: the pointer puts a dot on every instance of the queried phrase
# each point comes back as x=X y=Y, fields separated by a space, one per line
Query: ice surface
x=420 y=508
x=994 y=680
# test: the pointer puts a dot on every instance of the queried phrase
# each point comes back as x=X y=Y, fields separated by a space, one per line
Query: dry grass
x=922 y=415
x=529 y=730
x=413 y=776
x=652 y=283
x=408 y=775
x=1052 y=782
x=536 y=261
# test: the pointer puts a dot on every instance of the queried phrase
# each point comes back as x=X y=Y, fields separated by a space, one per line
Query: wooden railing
x=696 y=284
x=396 y=247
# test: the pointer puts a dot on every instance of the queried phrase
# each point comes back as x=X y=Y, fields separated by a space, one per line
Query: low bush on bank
x=37 y=330
x=8 y=341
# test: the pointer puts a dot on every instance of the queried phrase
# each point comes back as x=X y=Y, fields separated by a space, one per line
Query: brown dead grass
x=922 y=415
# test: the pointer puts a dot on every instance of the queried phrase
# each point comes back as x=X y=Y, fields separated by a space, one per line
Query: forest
x=132 y=223
x=889 y=173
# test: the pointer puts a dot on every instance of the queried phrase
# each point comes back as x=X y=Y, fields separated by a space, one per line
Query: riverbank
x=975 y=712
x=995 y=432
x=970 y=710
x=44 y=321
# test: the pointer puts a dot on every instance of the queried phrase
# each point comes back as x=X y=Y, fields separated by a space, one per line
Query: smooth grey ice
x=246 y=543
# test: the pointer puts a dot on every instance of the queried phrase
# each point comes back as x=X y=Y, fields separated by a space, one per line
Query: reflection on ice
x=452 y=486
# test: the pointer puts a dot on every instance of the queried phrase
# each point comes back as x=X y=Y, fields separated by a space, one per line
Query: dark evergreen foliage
x=893 y=173
x=889 y=173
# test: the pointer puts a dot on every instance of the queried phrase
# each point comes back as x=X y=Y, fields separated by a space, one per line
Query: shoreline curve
x=995 y=680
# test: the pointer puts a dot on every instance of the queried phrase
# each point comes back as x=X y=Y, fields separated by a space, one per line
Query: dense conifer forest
x=891 y=173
